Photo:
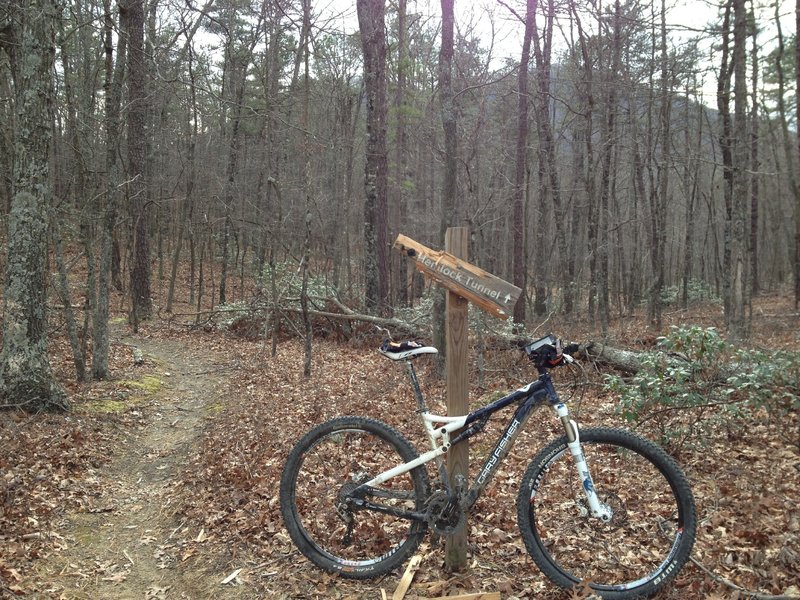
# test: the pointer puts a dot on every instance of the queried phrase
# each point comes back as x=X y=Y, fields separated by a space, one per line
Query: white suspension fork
x=596 y=508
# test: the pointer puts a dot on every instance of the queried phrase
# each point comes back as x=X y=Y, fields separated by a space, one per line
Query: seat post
x=415 y=385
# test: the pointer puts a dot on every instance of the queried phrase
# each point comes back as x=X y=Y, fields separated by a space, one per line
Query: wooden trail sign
x=483 y=289
x=464 y=282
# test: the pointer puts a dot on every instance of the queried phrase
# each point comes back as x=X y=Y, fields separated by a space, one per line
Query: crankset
x=443 y=515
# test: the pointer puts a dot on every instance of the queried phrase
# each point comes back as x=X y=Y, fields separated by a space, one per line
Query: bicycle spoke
x=326 y=518
x=643 y=542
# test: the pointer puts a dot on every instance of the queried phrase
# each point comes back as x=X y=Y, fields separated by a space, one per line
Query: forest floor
x=163 y=481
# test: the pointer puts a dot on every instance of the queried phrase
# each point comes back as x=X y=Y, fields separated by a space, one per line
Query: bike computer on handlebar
x=545 y=352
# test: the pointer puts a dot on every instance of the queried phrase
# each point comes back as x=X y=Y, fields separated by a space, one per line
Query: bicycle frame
x=439 y=429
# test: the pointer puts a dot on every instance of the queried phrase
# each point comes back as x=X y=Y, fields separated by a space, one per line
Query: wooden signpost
x=464 y=282
x=490 y=293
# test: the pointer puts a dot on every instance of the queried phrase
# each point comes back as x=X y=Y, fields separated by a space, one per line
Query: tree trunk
x=401 y=160
x=725 y=143
x=519 y=226
x=237 y=61
x=142 y=304
x=547 y=154
x=6 y=133
x=376 y=243
x=69 y=314
x=447 y=112
x=187 y=205
x=309 y=333
x=609 y=145
x=586 y=166
x=691 y=176
x=26 y=378
x=755 y=164
x=737 y=276
x=112 y=88
x=797 y=195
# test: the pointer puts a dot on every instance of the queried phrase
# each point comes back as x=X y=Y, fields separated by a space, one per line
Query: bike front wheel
x=321 y=473
x=651 y=531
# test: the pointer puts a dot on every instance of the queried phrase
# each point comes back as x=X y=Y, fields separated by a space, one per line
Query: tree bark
x=737 y=275
x=376 y=243
x=142 y=303
x=26 y=377
x=797 y=195
x=755 y=162
x=69 y=314
x=402 y=291
x=447 y=217
x=725 y=143
x=547 y=153
x=520 y=272
x=112 y=88
x=309 y=333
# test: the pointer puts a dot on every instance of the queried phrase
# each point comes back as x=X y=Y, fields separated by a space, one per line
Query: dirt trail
x=130 y=544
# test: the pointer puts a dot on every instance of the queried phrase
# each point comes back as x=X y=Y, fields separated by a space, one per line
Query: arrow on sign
x=462 y=278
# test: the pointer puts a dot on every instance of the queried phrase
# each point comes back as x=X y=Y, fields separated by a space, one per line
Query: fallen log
x=384 y=322
x=627 y=361
x=624 y=360
x=387 y=323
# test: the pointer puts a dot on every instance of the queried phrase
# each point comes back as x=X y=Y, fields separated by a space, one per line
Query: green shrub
x=697 y=291
x=695 y=380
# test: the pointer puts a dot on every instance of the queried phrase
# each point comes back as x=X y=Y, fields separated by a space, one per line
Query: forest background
x=187 y=163
x=257 y=139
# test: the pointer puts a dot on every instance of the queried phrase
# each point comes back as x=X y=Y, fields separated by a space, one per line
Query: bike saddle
x=403 y=350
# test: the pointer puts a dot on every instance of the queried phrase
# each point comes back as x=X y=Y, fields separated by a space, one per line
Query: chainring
x=444 y=516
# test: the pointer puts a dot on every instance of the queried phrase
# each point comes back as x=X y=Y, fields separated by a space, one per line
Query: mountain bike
x=598 y=506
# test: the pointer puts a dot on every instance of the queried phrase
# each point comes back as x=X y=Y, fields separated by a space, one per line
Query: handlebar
x=546 y=352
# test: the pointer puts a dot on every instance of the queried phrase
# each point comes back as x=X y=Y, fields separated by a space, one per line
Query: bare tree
x=132 y=12
x=659 y=194
x=542 y=52
x=737 y=275
x=239 y=46
x=797 y=195
x=755 y=164
x=112 y=88
x=521 y=168
x=401 y=291
x=376 y=246
x=26 y=378
x=725 y=143
x=609 y=147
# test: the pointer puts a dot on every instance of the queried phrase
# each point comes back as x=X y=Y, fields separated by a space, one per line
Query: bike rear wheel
x=325 y=466
x=651 y=532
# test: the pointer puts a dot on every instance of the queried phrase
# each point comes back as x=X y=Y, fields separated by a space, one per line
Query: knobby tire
x=333 y=458
x=647 y=541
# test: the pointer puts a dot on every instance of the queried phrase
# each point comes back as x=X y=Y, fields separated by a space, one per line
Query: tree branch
x=733 y=586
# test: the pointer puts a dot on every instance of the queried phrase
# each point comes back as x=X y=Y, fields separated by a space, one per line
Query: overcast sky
x=490 y=19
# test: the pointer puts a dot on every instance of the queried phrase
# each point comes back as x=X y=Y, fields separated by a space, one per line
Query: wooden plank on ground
x=478 y=596
x=405 y=581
